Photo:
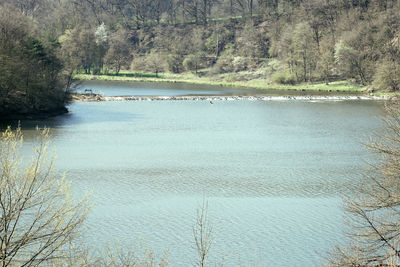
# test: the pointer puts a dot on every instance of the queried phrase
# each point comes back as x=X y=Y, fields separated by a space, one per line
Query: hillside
x=44 y=43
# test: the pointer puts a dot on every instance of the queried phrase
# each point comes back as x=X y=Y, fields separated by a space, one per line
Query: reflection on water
x=273 y=172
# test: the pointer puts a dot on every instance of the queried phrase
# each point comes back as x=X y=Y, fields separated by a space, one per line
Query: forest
x=44 y=43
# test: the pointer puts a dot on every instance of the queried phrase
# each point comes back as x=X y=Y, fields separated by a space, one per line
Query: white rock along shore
x=251 y=98
x=97 y=97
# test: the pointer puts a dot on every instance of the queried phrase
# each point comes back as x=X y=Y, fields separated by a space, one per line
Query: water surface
x=273 y=173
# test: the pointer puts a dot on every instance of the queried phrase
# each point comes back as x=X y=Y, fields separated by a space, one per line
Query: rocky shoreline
x=97 y=98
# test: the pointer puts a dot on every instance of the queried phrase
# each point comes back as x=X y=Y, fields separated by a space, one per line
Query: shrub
x=372 y=212
x=174 y=63
x=284 y=78
x=224 y=64
x=155 y=63
x=138 y=64
x=387 y=77
x=192 y=62
x=240 y=64
x=38 y=218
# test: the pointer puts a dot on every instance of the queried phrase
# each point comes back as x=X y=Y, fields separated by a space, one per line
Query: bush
x=284 y=78
x=224 y=64
x=387 y=77
x=155 y=62
x=192 y=62
x=138 y=64
x=174 y=63
x=372 y=212
x=240 y=64
x=38 y=218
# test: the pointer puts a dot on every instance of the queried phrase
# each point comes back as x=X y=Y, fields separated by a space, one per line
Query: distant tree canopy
x=313 y=40
x=44 y=42
x=30 y=71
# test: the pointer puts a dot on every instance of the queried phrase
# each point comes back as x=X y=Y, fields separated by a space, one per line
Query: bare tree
x=203 y=234
x=155 y=63
x=116 y=257
x=38 y=217
x=374 y=214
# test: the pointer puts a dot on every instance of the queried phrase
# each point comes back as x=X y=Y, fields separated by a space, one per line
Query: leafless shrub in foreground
x=203 y=234
x=374 y=213
x=38 y=218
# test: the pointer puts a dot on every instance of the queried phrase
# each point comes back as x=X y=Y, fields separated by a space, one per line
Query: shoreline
x=257 y=84
x=100 y=98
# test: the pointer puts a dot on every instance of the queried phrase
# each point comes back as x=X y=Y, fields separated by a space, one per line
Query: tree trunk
x=217 y=48
x=250 y=4
x=205 y=5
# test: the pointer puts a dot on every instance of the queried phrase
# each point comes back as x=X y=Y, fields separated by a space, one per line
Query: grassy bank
x=227 y=80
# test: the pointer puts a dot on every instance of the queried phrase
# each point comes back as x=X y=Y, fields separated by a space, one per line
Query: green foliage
x=80 y=50
x=387 y=76
x=325 y=68
x=252 y=42
x=44 y=43
x=192 y=62
x=350 y=62
x=220 y=38
x=299 y=52
x=140 y=75
x=138 y=63
x=224 y=64
x=174 y=63
x=38 y=218
x=242 y=63
x=284 y=78
x=30 y=74
x=118 y=54
x=155 y=62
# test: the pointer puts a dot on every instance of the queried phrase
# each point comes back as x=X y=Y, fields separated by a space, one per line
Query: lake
x=273 y=173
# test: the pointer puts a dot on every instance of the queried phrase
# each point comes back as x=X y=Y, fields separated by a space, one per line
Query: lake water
x=273 y=173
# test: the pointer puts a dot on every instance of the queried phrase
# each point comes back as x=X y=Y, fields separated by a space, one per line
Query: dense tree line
x=30 y=69
x=44 y=42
